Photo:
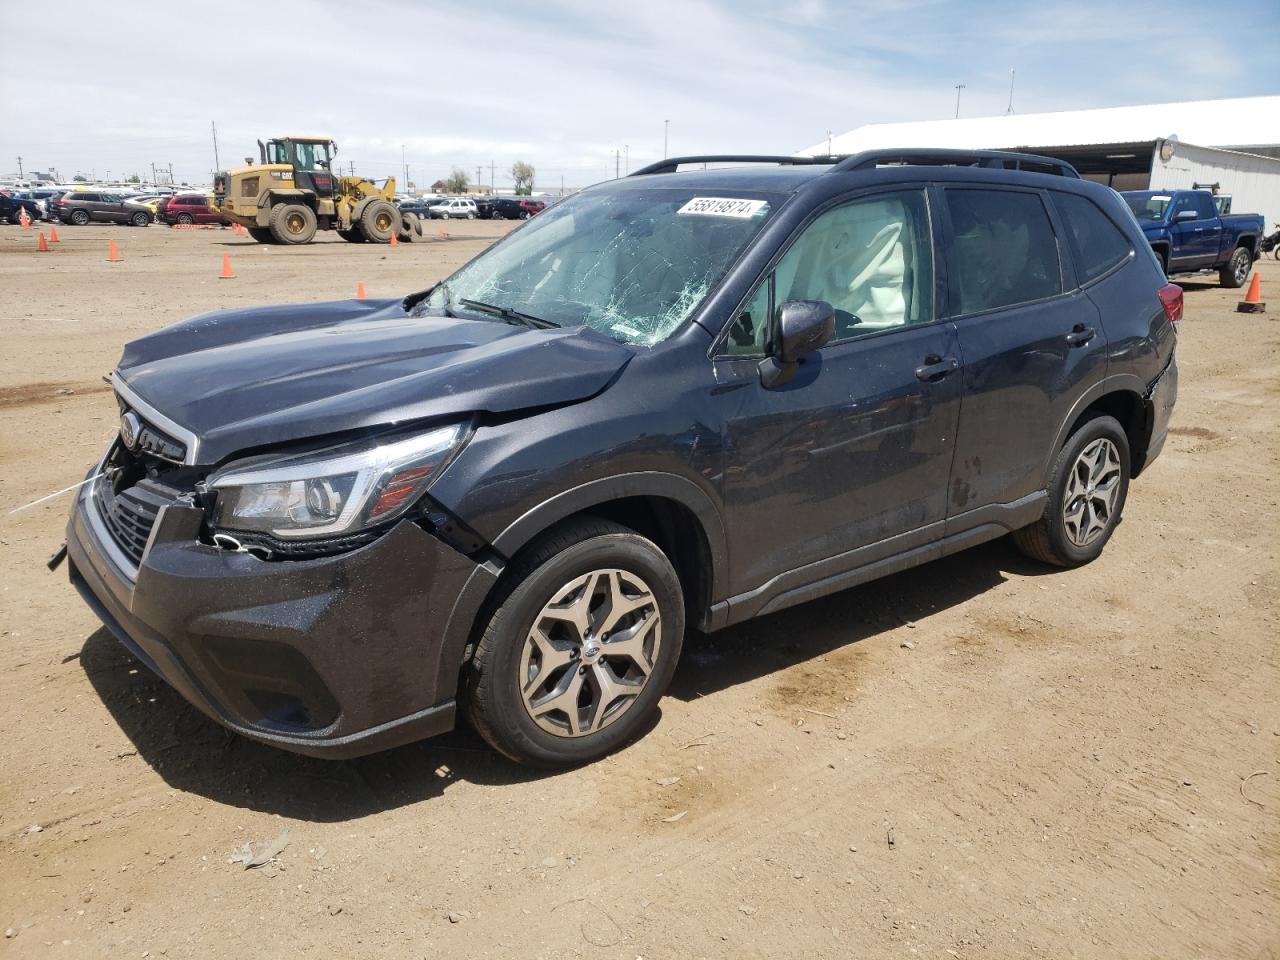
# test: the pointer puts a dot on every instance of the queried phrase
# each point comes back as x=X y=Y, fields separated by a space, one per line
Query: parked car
x=11 y=208
x=675 y=398
x=92 y=206
x=515 y=208
x=462 y=208
x=418 y=205
x=44 y=197
x=1188 y=234
x=189 y=208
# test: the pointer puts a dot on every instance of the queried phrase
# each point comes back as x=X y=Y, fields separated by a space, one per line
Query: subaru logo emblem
x=130 y=429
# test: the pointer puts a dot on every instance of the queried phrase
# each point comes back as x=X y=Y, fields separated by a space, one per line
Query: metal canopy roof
x=1238 y=123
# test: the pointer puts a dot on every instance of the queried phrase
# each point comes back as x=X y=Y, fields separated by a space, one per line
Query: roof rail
x=930 y=157
x=672 y=164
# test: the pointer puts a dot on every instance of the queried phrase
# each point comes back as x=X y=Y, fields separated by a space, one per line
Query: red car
x=189 y=208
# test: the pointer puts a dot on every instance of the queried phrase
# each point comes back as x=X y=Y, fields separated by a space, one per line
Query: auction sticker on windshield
x=723 y=207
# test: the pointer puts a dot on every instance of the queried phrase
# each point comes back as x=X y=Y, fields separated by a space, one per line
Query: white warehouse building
x=1233 y=143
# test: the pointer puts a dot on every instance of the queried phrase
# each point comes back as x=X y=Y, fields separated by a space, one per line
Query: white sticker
x=723 y=207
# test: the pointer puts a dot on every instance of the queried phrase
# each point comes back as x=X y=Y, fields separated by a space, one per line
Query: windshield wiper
x=506 y=313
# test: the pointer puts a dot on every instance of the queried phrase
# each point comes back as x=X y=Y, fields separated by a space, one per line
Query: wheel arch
x=1121 y=397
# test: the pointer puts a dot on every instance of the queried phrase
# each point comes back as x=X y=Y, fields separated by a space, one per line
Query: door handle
x=1080 y=335
x=935 y=368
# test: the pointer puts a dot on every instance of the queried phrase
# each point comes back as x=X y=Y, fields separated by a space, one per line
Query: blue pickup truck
x=1188 y=235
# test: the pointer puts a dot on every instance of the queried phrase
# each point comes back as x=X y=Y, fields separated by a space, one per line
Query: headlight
x=335 y=491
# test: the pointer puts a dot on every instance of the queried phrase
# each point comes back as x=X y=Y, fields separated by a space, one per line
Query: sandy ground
x=977 y=758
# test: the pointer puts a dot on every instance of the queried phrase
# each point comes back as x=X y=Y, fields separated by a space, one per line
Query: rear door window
x=1097 y=243
x=1003 y=250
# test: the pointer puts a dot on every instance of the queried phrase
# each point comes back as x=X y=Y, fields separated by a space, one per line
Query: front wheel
x=1237 y=269
x=581 y=646
x=1087 y=491
x=379 y=220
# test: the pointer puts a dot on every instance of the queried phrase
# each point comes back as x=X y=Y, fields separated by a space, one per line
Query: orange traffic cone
x=395 y=240
x=442 y=234
x=42 y=246
x=359 y=291
x=24 y=219
x=1252 y=302
x=113 y=255
x=53 y=235
x=226 y=268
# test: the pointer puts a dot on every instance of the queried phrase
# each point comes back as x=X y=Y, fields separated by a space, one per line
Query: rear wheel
x=292 y=223
x=186 y=219
x=79 y=217
x=1238 y=268
x=580 y=648
x=409 y=228
x=379 y=220
x=261 y=234
x=1087 y=491
x=471 y=216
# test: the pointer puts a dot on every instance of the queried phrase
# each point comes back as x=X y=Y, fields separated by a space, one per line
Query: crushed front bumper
x=335 y=657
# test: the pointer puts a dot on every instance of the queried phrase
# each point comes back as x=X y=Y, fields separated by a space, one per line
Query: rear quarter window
x=1097 y=243
x=1003 y=249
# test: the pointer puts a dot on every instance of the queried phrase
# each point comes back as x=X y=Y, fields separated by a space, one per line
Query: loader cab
x=311 y=159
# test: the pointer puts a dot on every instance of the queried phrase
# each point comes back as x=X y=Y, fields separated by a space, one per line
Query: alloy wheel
x=590 y=652
x=1242 y=265
x=1088 y=505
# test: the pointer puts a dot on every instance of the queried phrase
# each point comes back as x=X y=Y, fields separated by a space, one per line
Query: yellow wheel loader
x=293 y=192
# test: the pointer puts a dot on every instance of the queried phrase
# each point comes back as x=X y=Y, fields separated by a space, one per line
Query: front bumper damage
x=332 y=657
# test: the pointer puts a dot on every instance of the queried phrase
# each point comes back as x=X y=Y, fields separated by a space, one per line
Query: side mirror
x=1183 y=215
x=804 y=326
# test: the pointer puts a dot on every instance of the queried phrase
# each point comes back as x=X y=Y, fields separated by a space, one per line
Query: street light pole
x=959 y=87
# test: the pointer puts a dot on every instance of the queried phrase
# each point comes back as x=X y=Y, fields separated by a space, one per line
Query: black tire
x=80 y=217
x=444 y=216
x=261 y=234
x=140 y=219
x=1048 y=540
x=352 y=236
x=292 y=223
x=186 y=219
x=496 y=215
x=409 y=229
x=492 y=693
x=1237 y=269
x=379 y=220
x=524 y=214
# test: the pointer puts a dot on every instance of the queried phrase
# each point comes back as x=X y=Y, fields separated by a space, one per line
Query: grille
x=130 y=514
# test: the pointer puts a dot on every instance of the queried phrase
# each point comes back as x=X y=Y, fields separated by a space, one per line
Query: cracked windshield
x=632 y=264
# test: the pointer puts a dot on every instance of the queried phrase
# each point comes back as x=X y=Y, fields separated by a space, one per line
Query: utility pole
x=171 y=174
x=214 y=127
x=479 y=178
x=626 y=168
x=666 y=132
x=828 y=143
x=493 y=190
x=1012 y=74
x=153 y=173
x=959 y=87
x=19 y=168
x=617 y=161
x=404 y=163
x=562 y=184
x=351 y=166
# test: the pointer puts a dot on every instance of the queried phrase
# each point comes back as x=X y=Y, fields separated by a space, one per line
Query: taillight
x=1171 y=299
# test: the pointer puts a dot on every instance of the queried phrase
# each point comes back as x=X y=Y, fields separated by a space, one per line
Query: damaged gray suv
x=676 y=400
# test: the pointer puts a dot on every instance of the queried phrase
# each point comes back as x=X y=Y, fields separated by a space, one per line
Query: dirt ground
x=977 y=758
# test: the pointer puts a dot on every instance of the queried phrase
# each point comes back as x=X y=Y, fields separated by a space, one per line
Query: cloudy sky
x=564 y=83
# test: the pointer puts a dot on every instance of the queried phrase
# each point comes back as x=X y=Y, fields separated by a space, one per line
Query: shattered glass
x=629 y=263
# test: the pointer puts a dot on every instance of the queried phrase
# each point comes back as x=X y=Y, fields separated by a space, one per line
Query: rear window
x=1098 y=244
x=90 y=197
x=1004 y=249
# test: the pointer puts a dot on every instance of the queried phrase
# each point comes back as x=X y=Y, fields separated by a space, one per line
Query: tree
x=522 y=174
x=457 y=181
x=79 y=178
x=135 y=179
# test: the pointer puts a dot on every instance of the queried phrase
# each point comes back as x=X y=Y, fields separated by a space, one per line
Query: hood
x=246 y=378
